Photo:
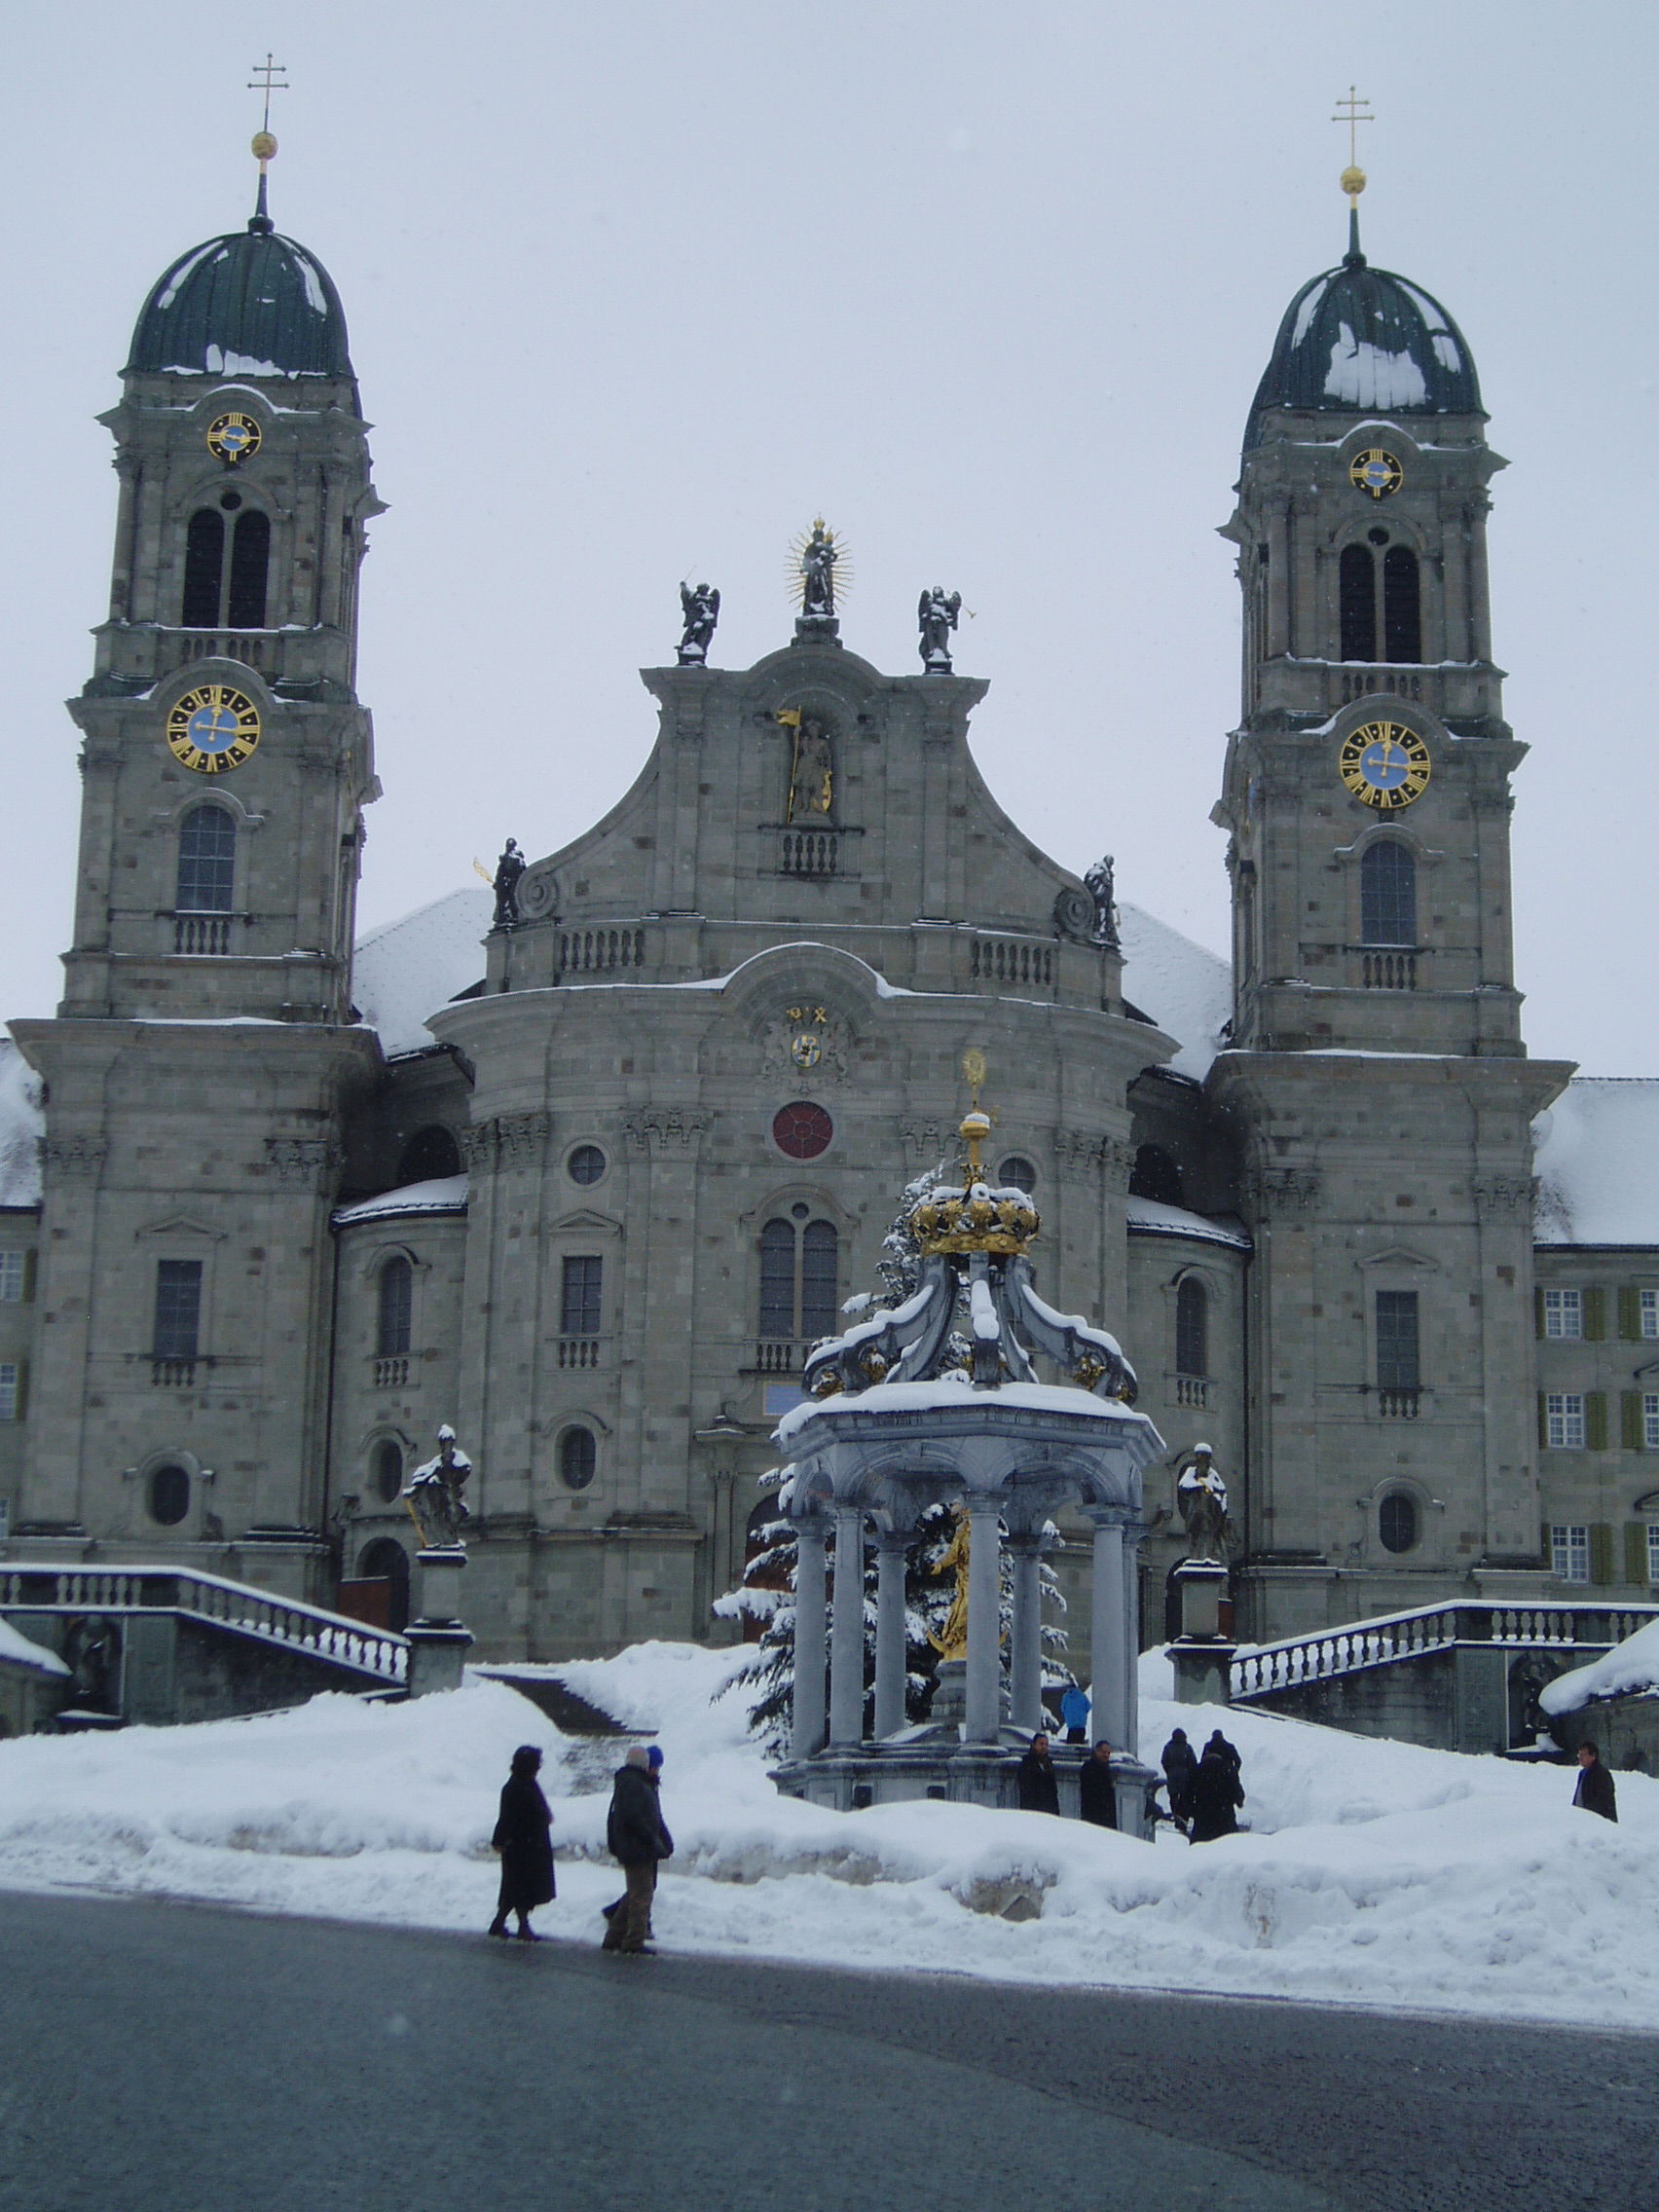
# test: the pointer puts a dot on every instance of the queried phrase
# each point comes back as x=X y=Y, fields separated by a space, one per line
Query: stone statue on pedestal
x=1200 y=1494
x=937 y=618
x=508 y=868
x=433 y=1495
x=817 y=573
x=1101 y=883
x=700 y=604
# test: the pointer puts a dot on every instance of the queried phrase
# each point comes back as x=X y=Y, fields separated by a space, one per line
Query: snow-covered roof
x=406 y=969
x=1185 y=989
x=1628 y=1669
x=1597 y=1162
x=16 y=1651
x=445 y=1193
x=1147 y=1218
x=951 y=1393
x=22 y=1127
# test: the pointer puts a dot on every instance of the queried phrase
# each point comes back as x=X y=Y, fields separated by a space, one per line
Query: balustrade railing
x=1192 y=1390
x=810 y=852
x=1391 y=1638
x=392 y=1373
x=595 y=951
x=579 y=1351
x=1011 y=960
x=172 y=1374
x=779 y=1356
x=202 y=932
x=1388 y=971
x=1398 y=1405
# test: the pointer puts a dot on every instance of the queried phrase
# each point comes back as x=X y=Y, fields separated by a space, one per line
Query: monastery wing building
x=589 y=1178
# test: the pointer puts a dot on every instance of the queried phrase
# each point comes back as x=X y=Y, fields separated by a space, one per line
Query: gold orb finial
x=1352 y=182
x=263 y=147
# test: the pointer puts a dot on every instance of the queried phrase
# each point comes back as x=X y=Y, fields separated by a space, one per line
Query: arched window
x=170 y=1496
x=1155 y=1175
x=800 y=1268
x=1018 y=1172
x=396 y=1307
x=1397 y=1521
x=1387 y=894
x=207 y=862
x=579 y=1457
x=388 y=1470
x=1191 y=1327
x=429 y=1155
x=1402 y=620
x=1356 y=588
x=226 y=570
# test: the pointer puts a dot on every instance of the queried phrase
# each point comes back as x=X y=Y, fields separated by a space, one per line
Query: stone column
x=889 y=1634
x=1131 y=1644
x=1025 y=1640
x=1109 y=1638
x=807 y=1734
x=984 y=1668
x=846 y=1635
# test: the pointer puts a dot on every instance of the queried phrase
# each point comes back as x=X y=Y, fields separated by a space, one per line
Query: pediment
x=175 y=1226
x=1399 y=1256
x=585 y=1222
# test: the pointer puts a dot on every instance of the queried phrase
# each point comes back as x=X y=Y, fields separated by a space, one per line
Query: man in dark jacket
x=1097 y=1792
x=1229 y=1752
x=1039 y=1786
x=1595 y=1791
x=637 y=1838
x=1216 y=1795
x=1179 y=1761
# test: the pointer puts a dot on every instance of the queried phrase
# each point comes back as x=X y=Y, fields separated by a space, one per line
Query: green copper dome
x=251 y=304
x=1359 y=340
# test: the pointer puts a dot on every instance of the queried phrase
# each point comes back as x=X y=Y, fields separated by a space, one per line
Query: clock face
x=1385 y=764
x=213 y=730
x=1375 y=471
x=233 y=437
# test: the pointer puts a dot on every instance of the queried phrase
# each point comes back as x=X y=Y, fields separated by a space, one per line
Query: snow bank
x=1376 y=1873
x=1632 y=1665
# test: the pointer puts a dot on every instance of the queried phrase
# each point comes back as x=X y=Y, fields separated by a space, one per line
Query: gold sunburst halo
x=794 y=572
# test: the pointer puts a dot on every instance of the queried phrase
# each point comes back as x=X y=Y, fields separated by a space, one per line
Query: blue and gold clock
x=213 y=730
x=1384 y=764
x=1376 y=472
x=232 y=438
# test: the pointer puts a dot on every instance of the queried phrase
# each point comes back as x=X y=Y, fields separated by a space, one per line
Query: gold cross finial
x=1353 y=111
x=267 y=77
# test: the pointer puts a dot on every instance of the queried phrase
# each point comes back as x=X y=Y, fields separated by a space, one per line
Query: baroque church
x=586 y=1168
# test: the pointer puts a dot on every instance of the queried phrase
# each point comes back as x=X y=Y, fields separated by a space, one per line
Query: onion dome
x=251 y=304
x=1359 y=340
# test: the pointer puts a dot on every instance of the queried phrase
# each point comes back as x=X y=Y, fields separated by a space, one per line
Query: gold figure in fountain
x=951 y=1642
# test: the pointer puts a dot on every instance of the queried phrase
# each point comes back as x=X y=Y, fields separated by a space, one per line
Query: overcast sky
x=636 y=290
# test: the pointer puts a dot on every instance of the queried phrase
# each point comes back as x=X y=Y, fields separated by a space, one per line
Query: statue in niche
x=1200 y=1494
x=433 y=1495
x=812 y=769
x=92 y=1652
x=951 y=1641
x=1100 y=881
x=818 y=572
x=508 y=868
x=936 y=616
x=700 y=606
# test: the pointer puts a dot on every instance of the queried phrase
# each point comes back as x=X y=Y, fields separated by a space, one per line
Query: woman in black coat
x=527 y=1849
x=1215 y=1795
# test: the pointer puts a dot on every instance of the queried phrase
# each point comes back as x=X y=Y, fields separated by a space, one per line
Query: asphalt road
x=177 y=2056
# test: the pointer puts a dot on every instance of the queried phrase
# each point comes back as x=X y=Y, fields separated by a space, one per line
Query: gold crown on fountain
x=976 y=1218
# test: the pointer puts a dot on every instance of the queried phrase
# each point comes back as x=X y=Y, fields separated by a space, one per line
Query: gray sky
x=634 y=291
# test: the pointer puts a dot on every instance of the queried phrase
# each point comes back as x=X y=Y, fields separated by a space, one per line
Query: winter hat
x=525 y=1759
x=654 y=1754
x=637 y=1756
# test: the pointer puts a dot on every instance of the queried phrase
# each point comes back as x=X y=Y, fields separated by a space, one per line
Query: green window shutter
x=1596 y=1420
x=1630 y=1421
x=22 y=1389
x=1538 y=1309
x=1595 y=1314
x=1636 y=1553
x=31 y=1256
x=1543 y=1427
x=1602 y=1552
x=1630 y=1311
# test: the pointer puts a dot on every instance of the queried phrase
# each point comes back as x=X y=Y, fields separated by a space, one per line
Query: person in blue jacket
x=1073 y=1712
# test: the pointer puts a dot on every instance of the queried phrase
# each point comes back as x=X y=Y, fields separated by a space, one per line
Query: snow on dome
x=1186 y=990
x=22 y=1127
x=1150 y=1217
x=1597 y=1162
x=444 y=1194
x=1363 y=375
x=406 y=969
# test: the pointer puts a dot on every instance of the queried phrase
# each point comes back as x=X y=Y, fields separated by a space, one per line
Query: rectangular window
x=1564 y=1420
x=1651 y=1420
x=580 y=1302
x=10 y=1278
x=1570 y=1551
x=1651 y=1312
x=7 y=1390
x=1653 y=1551
x=1564 y=1313
x=1397 y=1367
x=178 y=1309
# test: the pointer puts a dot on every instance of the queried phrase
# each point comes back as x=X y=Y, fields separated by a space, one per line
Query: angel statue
x=1200 y=1494
x=936 y=616
x=700 y=606
x=434 y=1496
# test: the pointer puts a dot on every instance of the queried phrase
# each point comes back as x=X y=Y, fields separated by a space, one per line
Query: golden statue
x=952 y=1643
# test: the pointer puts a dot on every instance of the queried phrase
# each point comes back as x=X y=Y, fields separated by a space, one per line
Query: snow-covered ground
x=1376 y=1873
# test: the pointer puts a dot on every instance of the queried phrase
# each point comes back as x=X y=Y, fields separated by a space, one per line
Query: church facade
x=587 y=1177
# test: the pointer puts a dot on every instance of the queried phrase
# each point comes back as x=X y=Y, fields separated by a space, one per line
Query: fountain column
x=984 y=1625
x=889 y=1634
x=1111 y=1658
x=811 y=1612
x=846 y=1634
x=1025 y=1640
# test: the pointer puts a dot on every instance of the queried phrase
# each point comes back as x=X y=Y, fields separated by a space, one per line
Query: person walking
x=526 y=1847
x=1038 y=1786
x=1216 y=1795
x=638 y=1838
x=653 y=1771
x=1180 y=1762
x=1097 y=1792
x=1595 y=1791
x=1073 y=1712
x=1229 y=1752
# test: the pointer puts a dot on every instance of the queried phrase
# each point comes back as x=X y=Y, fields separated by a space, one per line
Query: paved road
x=181 y=2057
